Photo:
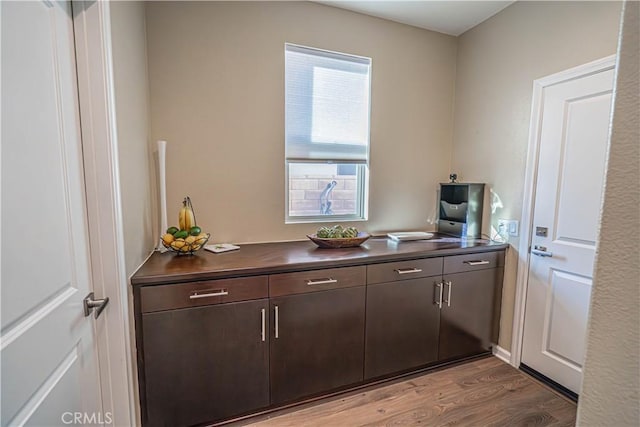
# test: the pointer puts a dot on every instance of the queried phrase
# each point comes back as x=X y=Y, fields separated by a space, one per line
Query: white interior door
x=570 y=180
x=49 y=359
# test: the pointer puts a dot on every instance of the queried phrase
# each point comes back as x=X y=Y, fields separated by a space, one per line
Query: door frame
x=531 y=173
x=92 y=30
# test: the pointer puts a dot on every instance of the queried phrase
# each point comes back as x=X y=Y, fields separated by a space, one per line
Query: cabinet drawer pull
x=448 y=300
x=407 y=270
x=326 y=281
x=275 y=312
x=216 y=293
x=483 y=262
x=262 y=312
x=438 y=302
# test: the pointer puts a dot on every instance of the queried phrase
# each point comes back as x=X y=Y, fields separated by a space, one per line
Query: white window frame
x=362 y=168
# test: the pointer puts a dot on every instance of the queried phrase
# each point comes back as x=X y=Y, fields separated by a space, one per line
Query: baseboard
x=502 y=354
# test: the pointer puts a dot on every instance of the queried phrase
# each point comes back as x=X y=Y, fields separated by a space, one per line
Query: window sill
x=324 y=219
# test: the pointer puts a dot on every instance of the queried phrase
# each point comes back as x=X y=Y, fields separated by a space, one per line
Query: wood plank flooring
x=485 y=392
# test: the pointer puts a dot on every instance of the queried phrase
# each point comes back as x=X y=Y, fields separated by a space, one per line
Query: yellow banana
x=182 y=215
x=186 y=217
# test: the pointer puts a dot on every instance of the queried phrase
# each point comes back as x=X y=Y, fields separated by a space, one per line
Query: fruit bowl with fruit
x=187 y=238
x=338 y=237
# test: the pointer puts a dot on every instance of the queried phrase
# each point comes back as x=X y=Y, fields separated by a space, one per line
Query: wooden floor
x=485 y=392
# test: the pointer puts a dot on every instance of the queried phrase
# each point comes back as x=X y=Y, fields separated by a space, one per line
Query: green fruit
x=350 y=232
x=172 y=230
x=182 y=234
x=194 y=231
x=335 y=234
x=323 y=232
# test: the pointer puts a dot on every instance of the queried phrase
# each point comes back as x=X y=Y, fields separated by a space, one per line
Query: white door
x=570 y=181
x=49 y=359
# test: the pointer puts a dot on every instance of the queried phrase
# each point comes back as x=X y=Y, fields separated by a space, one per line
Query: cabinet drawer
x=401 y=270
x=470 y=262
x=316 y=280
x=193 y=294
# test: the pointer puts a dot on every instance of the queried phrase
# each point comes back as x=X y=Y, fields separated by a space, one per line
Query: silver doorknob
x=90 y=303
x=541 y=251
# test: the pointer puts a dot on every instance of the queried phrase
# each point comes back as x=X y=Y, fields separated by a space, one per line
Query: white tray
x=409 y=235
x=221 y=247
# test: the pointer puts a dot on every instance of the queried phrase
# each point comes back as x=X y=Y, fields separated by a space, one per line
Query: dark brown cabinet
x=214 y=349
x=467 y=324
x=471 y=300
x=317 y=337
x=402 y=326
x=204 y=363
x=402 y=317
x=411 y=323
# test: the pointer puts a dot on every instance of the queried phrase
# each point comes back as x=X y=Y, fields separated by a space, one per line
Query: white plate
x=409 y=235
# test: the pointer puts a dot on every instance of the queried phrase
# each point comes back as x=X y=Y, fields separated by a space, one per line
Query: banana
x=186 y=216
x=182 y=216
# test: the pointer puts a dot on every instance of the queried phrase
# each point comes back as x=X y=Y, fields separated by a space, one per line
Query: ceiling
x=451 y=17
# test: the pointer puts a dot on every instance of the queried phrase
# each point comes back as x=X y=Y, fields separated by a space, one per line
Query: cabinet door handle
x=275 y=312
x=263 y=324
x=326 y=281
x=407 y=270
x=483 y=262
x=438 y=302
x=216 y=293
x=448 y=300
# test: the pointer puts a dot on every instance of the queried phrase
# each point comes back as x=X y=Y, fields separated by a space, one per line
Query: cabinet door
x=469 y=315
x=402 y=326
x=206 y=363
x=317 y=342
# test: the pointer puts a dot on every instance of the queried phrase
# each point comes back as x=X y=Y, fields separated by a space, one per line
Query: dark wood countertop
x=268 y=258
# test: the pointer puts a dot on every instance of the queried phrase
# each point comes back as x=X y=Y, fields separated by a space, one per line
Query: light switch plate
x=508 y=227
x=513 y=228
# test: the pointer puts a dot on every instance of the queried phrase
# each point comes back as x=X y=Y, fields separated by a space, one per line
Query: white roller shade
x=326 y=105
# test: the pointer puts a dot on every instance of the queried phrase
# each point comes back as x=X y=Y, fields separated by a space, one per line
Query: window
x=326 y=134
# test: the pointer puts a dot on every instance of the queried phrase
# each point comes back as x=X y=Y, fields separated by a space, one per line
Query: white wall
x=135 y=154
x=135 y=161
x=216 y=72
x=497 y=63
x=611 y=389
x=216 y=87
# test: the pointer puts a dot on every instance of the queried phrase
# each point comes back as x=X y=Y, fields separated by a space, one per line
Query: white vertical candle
x=162 y=186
